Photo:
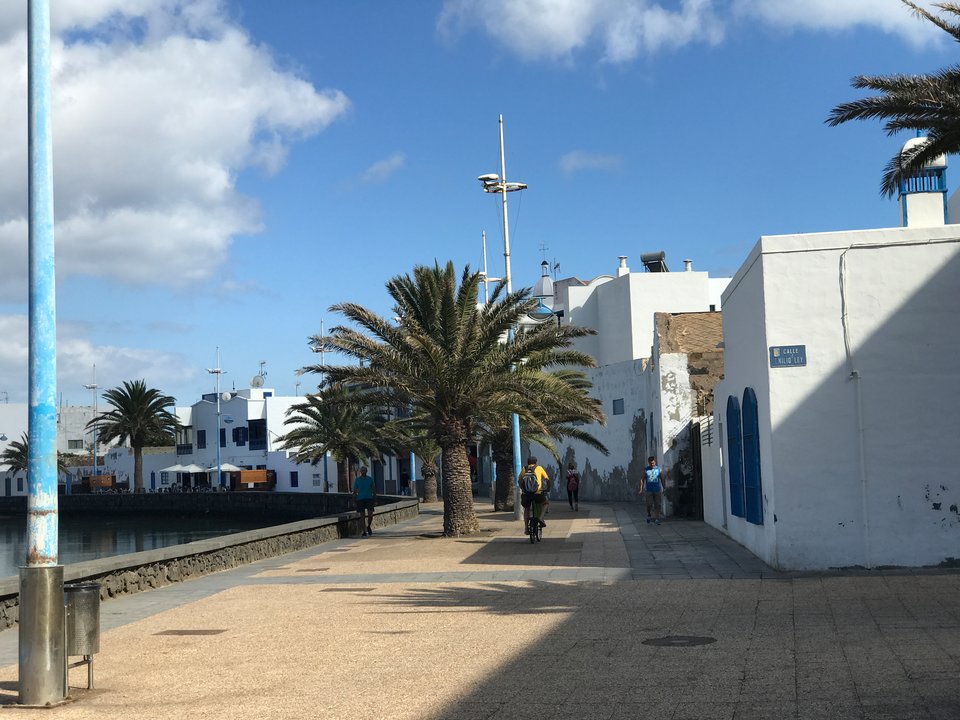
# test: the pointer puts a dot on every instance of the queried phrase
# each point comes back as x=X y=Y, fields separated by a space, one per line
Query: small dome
x=938 y=162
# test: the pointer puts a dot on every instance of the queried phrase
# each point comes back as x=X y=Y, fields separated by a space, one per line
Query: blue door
x=752 y=485
x=735 y=456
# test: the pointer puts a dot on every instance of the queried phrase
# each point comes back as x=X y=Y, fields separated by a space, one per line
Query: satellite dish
x=226 y=396
x=256 y=381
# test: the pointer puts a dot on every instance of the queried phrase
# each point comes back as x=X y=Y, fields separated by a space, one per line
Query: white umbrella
x=192 y=468
x=173 y=468
x=225 y=467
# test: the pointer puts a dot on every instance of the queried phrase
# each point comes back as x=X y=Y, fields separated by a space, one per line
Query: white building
x=837 y=416
x=251 y=423
x=622 y=308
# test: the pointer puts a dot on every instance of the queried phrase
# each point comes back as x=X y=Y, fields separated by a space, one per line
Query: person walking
x=573 y=486
x=365 y=497
x=652 y=487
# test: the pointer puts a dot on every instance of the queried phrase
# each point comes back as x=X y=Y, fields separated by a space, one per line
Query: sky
x=225 y=171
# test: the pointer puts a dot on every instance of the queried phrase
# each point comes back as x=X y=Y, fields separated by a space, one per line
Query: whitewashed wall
x=745 y=365
x=828 y=499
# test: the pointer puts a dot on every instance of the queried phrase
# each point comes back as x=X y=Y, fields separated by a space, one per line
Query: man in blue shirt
x=652 y=488
x=365 y=496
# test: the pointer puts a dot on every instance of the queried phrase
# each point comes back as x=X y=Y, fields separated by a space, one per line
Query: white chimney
x=688 y=265
x=623 y=269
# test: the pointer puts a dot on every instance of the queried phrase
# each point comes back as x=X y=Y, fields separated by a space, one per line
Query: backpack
x=529 y=482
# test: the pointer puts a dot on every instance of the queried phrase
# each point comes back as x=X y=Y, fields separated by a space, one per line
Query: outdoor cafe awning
x=193 y=468
x=173 y=468
x=225 y=467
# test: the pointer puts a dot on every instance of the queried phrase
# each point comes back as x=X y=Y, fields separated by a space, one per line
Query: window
x=618 y=407
x=735 y=457
x=317 y=480
x=258 y=434
x=223 y=437
x=164 y=478
x=294 y=479
x=19 y=484
x=239 y=436
x=201 y=439
x=752 y=485
x=75 y=444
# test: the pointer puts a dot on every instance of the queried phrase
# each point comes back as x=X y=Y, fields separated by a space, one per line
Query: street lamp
x=94 y=387
x=493 y=183
x=218 y=372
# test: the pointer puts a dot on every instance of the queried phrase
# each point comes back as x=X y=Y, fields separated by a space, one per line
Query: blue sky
x=228 y=170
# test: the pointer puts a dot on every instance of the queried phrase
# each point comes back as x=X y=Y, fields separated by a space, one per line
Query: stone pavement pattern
x=409 y=625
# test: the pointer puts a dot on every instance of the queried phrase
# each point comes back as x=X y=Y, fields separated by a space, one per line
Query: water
x=88 y=537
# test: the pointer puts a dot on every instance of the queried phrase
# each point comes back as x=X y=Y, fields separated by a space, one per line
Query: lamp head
x=3 y=438
x=541 y=312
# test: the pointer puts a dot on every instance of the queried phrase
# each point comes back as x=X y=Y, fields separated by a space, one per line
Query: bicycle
x=534 y=530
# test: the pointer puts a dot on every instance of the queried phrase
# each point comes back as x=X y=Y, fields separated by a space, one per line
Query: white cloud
x=76 y=357
x=555 y=29
x=158 y=106
x=380 y=171
x=577 y=160
x=832 y=15
x=621 y=30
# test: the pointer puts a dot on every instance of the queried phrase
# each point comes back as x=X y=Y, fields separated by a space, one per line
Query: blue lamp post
x=41 y=657
x=493 y=183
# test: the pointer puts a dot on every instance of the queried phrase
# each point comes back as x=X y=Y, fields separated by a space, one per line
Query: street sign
x=788 y=356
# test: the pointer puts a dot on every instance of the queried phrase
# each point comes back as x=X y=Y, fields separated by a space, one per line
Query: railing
x=185 y=449
x=926 y=181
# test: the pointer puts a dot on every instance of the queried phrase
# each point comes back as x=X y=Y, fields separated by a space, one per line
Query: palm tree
x=16 y=457
x=140 y=417
x=446 y=356
x=409 y=435
x=926 y=103
x=335 y=421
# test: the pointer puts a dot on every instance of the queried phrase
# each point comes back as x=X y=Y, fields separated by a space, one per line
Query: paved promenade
x=607 y=618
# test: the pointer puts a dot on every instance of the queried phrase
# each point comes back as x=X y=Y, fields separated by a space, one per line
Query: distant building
x=640 y=395
x=251 y=423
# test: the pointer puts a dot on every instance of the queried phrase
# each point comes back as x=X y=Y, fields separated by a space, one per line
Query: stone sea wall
x=135 y=572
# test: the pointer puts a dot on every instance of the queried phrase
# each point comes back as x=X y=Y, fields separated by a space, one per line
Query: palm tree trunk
x=429 y=471
x=503 y=492
x=343 y=473
x=137 y=469
x=459 y=517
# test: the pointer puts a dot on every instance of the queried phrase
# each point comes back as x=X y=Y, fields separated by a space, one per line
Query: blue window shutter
x=752 y=485
x=735 y=457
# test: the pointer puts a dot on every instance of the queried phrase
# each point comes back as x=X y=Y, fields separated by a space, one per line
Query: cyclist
x=536 y=476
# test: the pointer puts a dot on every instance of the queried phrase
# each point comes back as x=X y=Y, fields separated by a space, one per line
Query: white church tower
x=923 y=198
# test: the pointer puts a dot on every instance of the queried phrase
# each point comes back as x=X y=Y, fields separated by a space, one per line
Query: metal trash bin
x=82 y=626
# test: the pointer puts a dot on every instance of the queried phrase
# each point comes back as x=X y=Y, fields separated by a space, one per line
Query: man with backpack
x=534 y=486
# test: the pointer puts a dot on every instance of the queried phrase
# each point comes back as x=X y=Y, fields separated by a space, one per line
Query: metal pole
x=94 y=387
x=41 y=655
x=413 y=474
x=515 y=420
